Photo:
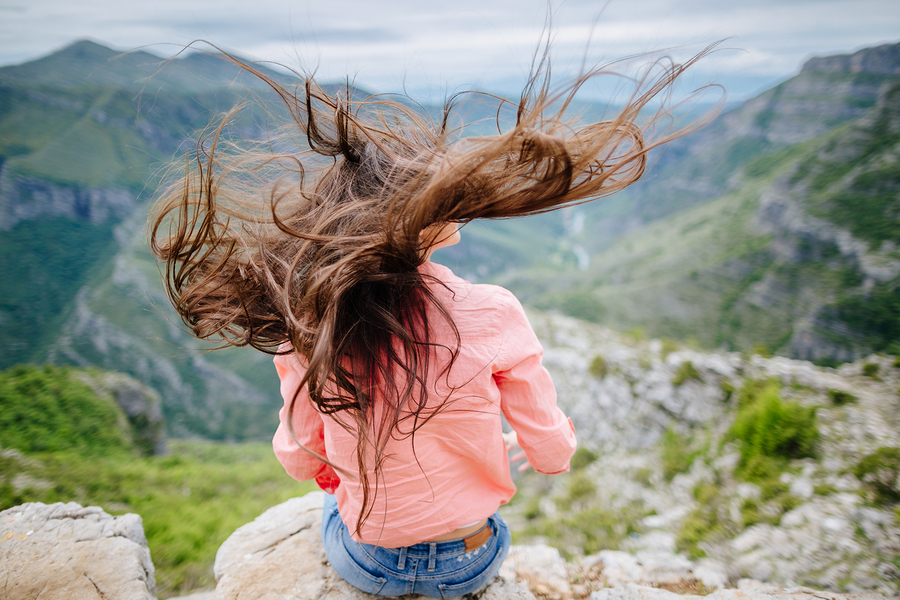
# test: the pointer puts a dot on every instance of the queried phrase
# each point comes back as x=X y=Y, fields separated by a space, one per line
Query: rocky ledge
x=66 y=552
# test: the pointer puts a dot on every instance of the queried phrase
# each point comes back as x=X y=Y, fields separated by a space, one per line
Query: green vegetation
x=824 y=489
x=871 y=370
x=599 y=367
x=761 y=350
x=840 y=397
x=711 y=521
x=46 y=409
x=676 y=454
x=686 y=371
x=668 y=346
x=49 y=260
x=189 y=500
x=727 y=390
x=579 y=489
x=875 y=314
x=586 y=530
x=707 y=523
x=80 y=447
x=880 y=472
x=770 y=431
x=582 y=458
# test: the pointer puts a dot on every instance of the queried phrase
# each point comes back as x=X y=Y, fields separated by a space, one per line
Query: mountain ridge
x=78 y=162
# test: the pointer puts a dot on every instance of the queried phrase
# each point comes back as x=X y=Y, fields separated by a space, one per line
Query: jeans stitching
x=482 y=561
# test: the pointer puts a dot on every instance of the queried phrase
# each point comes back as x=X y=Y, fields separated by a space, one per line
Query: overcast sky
x=439 y=46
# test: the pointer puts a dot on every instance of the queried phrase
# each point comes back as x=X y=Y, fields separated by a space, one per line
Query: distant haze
x=430 y=48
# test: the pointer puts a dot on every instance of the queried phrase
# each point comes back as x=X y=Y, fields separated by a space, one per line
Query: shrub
x=771 y=430
x=676 y=454
x=686 y=370
x=45 y=409
x=703 y=523
x=750 y=513
x=871 y=370
x=880 y=472
x=599 y=367
x=668 y=346
x=839 y=398
x=582 y=458
x=727 y=390
x=824 y=489
x=761 y=350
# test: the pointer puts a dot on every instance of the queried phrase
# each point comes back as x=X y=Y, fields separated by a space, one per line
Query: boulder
x=541 y=568
x=279 y=556
x=69 y=552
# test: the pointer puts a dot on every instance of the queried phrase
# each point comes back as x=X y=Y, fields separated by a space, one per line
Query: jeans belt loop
x=401 y=563
x=432 y=555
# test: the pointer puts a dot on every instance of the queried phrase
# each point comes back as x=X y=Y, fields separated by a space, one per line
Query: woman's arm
x=309 y=429
x=528 y=398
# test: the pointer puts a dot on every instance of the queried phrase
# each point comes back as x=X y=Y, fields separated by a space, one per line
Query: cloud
x=392 y=43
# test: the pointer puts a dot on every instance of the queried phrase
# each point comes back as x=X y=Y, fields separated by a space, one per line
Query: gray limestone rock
x=68 y=552
x=24 y=198
x=279 y=556
x=541 y=568
x=633 y=591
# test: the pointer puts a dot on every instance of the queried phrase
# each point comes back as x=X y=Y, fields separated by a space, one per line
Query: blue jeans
x=435 y=569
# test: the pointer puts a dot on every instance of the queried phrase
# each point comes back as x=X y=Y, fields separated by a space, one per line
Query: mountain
x=85 y=135
x=774 y=226
x=764 y=228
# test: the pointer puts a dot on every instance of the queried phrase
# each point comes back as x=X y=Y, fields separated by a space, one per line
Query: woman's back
x=454 y=470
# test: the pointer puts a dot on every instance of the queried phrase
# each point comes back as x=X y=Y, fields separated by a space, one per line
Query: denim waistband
x=447 y=546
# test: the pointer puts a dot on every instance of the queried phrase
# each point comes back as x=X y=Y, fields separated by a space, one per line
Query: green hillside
x=800 y=258
x=62 y=441
x=764 y=230
x=84 y=136
x=707 y=247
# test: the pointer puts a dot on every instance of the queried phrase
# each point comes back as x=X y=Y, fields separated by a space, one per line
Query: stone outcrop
x=824 y=532
x=880 y=60
x=142 y=407
x=23 y=198
x=751 y=590
x=68 y=552
x=279 y=556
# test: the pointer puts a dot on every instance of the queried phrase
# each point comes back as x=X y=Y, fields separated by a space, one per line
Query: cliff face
x=827 y=93
x=142 y=407
x=82 y=141
x=842 y=200
x=24 y=198
x=788 y=241
x=880 y=60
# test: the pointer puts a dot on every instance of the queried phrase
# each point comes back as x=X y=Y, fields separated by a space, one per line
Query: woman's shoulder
x=457 y=292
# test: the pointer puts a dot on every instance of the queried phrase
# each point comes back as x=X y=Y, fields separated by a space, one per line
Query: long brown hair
x=313 y=236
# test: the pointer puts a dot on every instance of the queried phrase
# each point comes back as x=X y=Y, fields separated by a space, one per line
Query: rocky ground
x=662 y=474
x=660 y=502
x=66 y=552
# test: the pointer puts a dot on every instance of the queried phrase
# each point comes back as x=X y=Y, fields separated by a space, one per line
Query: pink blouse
x=458 y=472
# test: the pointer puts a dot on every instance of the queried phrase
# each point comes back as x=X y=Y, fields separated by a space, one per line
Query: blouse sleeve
x=528 y=397
x=309 y=429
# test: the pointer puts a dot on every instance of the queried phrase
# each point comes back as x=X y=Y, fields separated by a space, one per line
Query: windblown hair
x=314 y=236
